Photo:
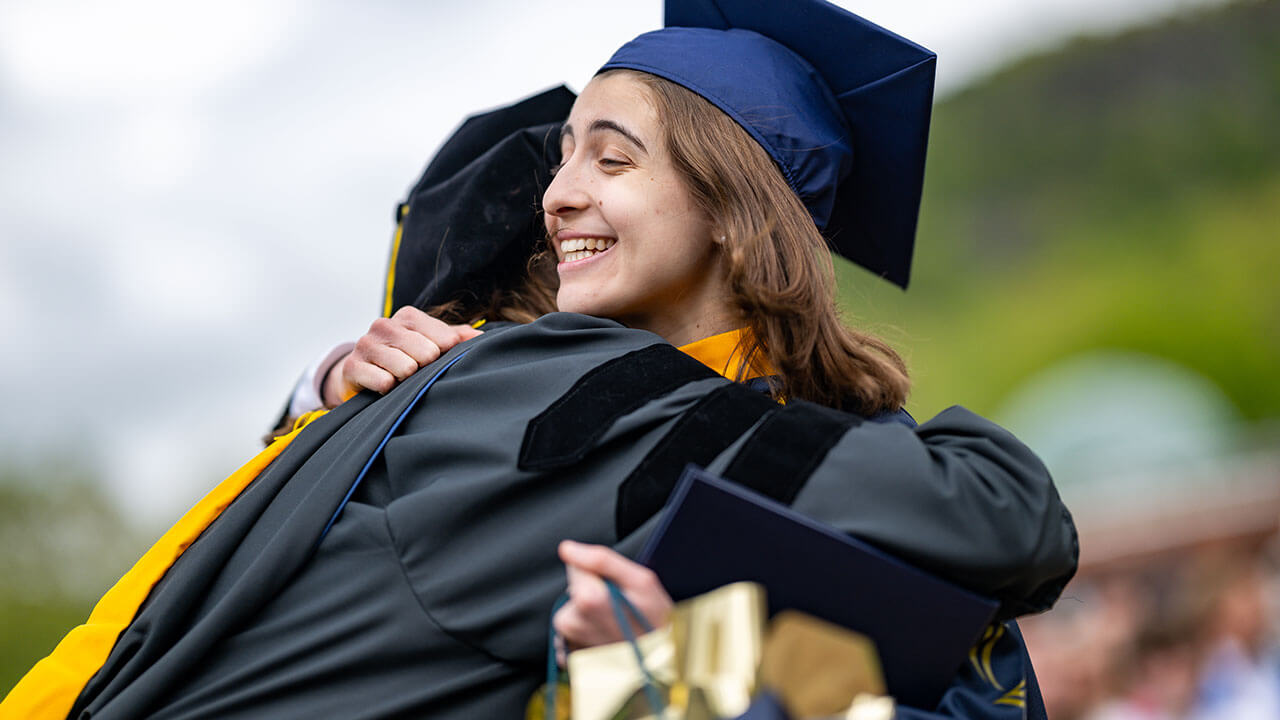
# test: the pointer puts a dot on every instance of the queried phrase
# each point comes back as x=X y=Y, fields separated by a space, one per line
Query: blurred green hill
x=1117 y=193
x=64 y=545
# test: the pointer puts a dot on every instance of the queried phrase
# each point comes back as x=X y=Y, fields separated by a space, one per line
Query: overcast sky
x=196 y=198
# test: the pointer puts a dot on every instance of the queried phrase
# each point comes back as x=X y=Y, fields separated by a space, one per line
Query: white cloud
x=179 y=278
x=156 y=147
x=129 y=49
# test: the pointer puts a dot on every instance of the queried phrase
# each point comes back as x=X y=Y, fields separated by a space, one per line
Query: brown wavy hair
x=781 y=277
x=534 y=297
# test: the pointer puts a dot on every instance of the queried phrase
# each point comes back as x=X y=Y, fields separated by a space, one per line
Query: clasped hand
x=587 y=619
x=392 y=350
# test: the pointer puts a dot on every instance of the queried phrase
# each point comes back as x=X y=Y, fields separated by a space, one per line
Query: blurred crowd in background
x=1192 y=635
x=1169 y=621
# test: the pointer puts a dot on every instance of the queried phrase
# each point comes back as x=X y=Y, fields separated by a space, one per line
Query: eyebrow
x=566 y=130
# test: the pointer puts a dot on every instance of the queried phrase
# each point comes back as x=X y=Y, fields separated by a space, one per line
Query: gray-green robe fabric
x=429 y=595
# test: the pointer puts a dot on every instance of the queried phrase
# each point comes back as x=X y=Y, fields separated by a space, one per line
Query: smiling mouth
x=583 y=248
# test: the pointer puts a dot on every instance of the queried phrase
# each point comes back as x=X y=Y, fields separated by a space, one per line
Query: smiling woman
x=661 y=269
x=716 y=241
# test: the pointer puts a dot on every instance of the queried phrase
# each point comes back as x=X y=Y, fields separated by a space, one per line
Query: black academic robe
x=398 y=559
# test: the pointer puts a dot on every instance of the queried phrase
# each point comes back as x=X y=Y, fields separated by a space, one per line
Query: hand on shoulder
x=392 y=350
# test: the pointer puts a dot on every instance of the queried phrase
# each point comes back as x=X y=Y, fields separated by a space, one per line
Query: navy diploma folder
x=714 y=532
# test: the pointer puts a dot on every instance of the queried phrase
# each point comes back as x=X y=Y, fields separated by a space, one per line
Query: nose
x=567 y=192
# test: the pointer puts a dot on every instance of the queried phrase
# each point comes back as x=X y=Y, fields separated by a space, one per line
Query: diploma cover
x=713 y=533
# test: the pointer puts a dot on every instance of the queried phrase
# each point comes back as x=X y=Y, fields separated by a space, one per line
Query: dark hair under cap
x=840 y=104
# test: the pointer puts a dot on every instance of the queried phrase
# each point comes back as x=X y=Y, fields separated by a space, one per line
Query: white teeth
x=580 y=248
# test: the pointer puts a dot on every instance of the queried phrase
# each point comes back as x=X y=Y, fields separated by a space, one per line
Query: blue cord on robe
x=395 y=426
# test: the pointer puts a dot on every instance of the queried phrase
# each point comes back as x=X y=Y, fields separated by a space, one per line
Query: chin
x=574 y=302
x=569 y=301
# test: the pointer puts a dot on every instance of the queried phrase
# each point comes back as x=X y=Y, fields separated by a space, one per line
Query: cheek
x=650 y=208
x=676 y=204
x=661 y=210
x=625 y=213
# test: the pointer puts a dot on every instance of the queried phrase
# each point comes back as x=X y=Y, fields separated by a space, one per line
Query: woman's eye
x=555 y=168
x=612 y=162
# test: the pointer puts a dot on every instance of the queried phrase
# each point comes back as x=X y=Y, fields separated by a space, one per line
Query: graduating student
x=397 y=555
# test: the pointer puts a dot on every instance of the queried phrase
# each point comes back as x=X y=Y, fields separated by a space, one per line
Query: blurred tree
x=64 y=544
x=1119 y=193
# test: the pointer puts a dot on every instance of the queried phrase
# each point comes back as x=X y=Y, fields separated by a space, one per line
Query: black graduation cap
x=471 y=221
x=841 y=104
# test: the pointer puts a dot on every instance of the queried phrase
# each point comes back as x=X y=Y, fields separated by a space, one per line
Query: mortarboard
x=470 y=222
x=842 y=106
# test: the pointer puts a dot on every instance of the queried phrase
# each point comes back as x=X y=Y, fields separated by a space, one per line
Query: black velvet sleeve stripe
x=783 y=452
x=566 y=431
x=702 y=432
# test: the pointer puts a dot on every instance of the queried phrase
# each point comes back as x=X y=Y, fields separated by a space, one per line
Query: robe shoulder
x=444 y=500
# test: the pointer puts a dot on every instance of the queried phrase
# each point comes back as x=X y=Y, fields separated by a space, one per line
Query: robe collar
x=722 y=353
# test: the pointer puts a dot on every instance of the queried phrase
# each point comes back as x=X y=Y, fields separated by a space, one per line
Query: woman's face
x=631 y=243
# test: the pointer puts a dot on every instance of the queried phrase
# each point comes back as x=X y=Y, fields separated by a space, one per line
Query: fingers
x=607 y=562
x=402 y=333
x=413 y=325
x=397 y=347
x=588 y=618
x=358 y=375
x=379 y=353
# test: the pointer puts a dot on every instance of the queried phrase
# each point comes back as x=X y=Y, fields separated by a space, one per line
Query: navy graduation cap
x=842 y=106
